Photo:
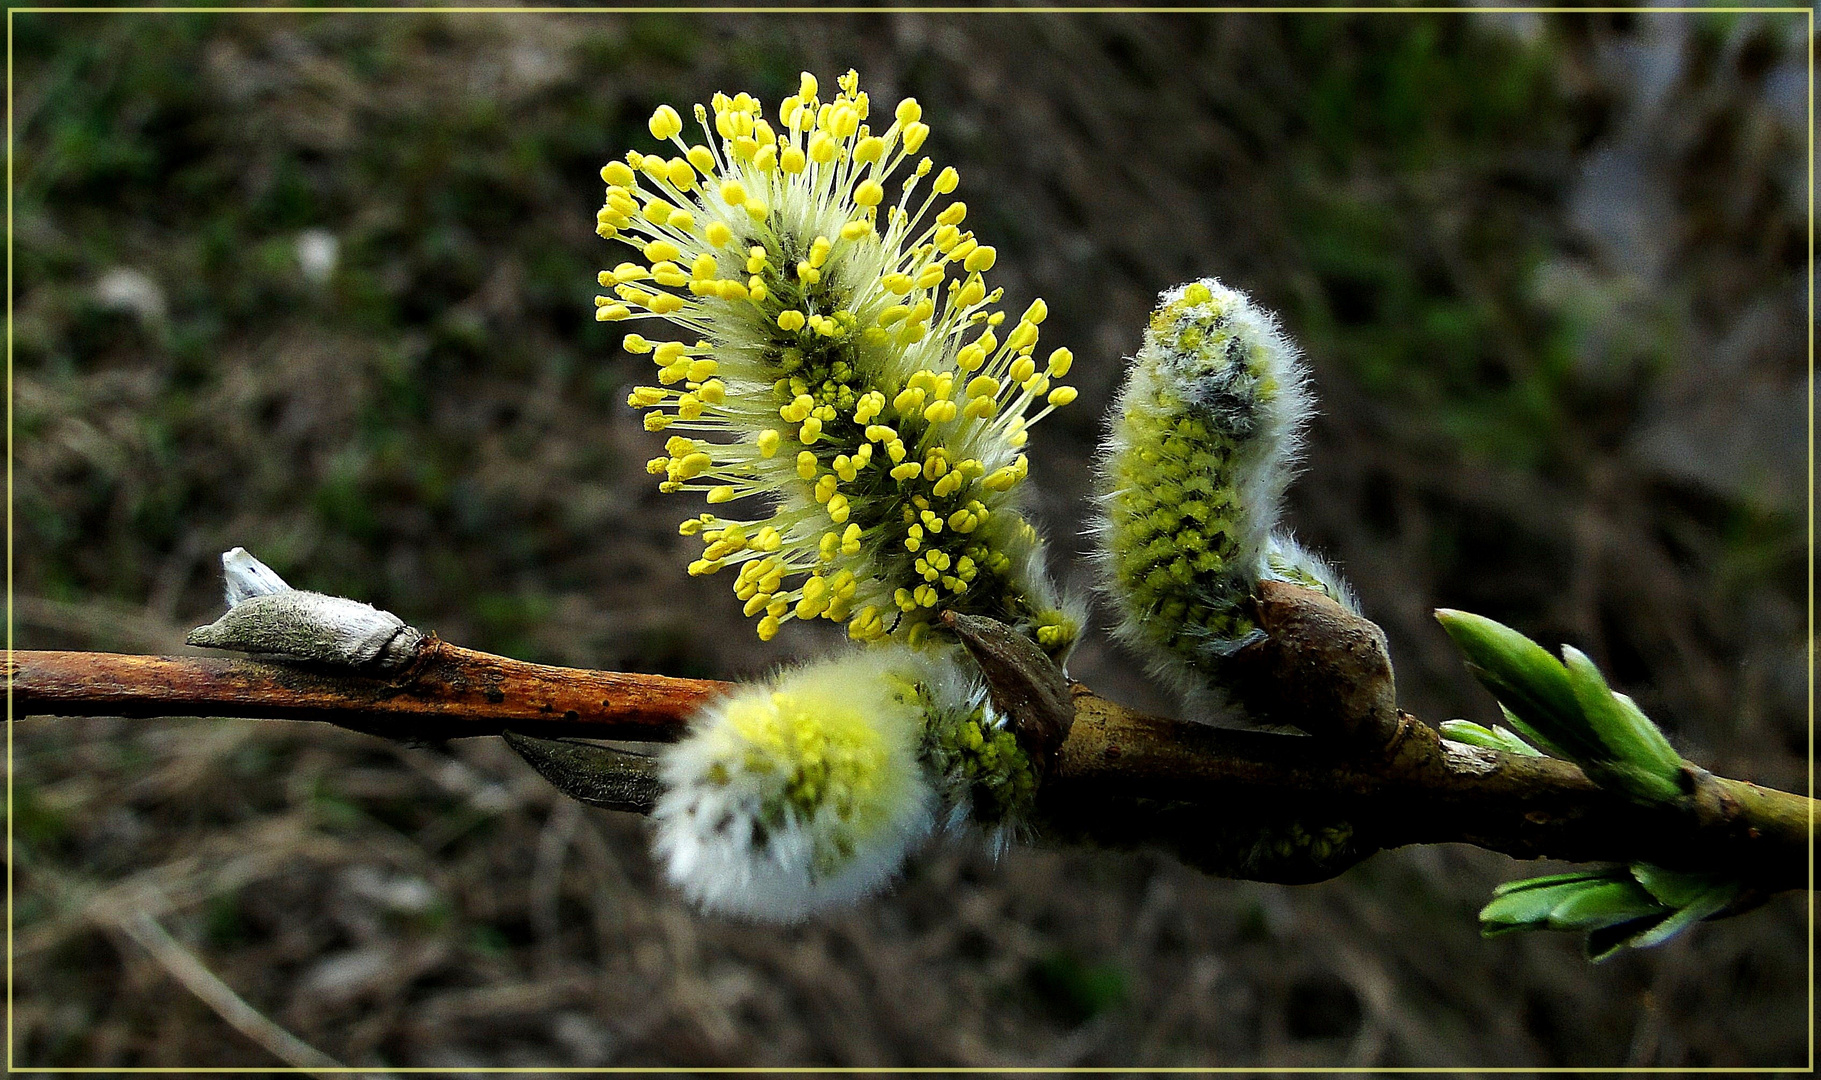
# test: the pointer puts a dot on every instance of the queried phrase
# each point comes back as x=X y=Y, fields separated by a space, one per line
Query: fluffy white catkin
x=806 y=792
x=1205 y=436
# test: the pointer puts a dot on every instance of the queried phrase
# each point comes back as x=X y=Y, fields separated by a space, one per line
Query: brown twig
x=1240 y=803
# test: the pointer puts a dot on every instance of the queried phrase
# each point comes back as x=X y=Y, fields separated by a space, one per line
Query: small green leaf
x=1649 y=734
x=1605 y=904
x=1674 y=888
x=1528 y=681
x=1492 y=738
x=1635 y=780
x=1602 y=873
x=1534 y=907
x=1531 y=735
x=1605 y=942
x=1634 y=747
x=1712 y=902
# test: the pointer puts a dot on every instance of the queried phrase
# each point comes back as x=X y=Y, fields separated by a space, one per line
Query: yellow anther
x=940 y=412
x=980 y=260
x=931 y=276
x=645 y=397
x=821 y=148
x=703 y=269
x=612 y=313
x=665 y=122
x=806 y=465
x=665 y=303
x=662 y=251
x=658 y=421
x=733 y=193
x=800 y=407
x=818 y=252
x=703 y=368
x=854 y=230
x=914 y=134
x=908 y=112
x=825 y=487
x=880 y=433
x=702 y=158
x=689 y=407
x=1036 y=313
x=768 y=628
x=1023 y=368
x=714 y=391
x=838 y=509
x=693 y=465
x=1062 y=395
x=792 y=160
x=980 y=408
x=1037 y=385
x=768 y=442
x=680 y=173
x=810 y=431
x=850 y=545
x=1060 y=362
x=869 y=193
x=634 y=343
x=717 y=233
x=721 y=494
x=869 y=149
x=952 y=214
x=790 y=320
x=617 y=174
x=910 y=470
x=808 y=274
x=946 y=181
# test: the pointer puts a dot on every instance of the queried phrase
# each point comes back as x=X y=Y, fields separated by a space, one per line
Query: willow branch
x=1222 y=799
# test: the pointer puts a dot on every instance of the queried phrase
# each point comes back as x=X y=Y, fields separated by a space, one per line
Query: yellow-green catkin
x=1204 y=439
x=808 y=791
x=797 y=794
x=840 y=370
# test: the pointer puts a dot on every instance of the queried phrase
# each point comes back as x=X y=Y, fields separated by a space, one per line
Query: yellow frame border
x=921 y=10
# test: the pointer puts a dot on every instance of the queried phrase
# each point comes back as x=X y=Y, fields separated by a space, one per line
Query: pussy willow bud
x=808 y=791
x=1204 y=440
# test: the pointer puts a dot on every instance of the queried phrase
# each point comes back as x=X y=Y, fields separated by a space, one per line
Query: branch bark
x=1264 y=805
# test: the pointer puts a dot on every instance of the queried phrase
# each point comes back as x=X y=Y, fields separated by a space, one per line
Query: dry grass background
x=1550 y=277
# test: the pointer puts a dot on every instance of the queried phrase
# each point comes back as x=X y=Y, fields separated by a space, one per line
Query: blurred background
x=320 y=285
